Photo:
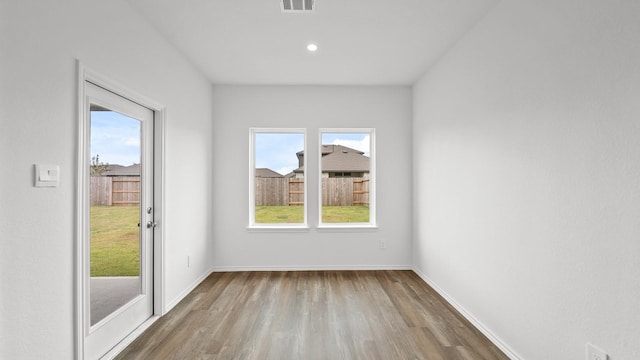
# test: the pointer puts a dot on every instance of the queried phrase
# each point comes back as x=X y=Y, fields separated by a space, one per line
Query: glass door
x=119 y=243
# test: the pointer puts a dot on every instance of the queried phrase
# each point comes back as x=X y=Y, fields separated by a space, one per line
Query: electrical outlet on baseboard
x=594 y=353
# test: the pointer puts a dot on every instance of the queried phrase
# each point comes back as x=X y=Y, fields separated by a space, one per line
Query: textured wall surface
x=527 y=168
x=238 y=108
x=40 y=43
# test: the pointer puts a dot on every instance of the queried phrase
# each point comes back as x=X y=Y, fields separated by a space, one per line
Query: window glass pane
x=279 y=178
x=345 y=166
x=115 y=211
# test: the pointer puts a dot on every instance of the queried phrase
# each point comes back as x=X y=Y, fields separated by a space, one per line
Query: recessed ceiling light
x=312 y=47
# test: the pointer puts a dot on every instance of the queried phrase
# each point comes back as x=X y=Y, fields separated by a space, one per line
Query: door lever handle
x=151 y=224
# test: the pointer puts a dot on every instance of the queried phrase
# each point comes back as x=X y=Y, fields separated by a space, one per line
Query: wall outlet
x=594 y=353
x=188 y=261
x=383 y=244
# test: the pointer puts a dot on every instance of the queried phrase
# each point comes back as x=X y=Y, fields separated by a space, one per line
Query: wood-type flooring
x=313 y=315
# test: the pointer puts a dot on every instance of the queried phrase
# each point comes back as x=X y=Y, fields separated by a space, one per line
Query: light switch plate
x=47 y=175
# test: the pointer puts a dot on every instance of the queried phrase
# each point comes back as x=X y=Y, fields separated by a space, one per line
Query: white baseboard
x=186 y=292
x=467 y=315
x=310 y=268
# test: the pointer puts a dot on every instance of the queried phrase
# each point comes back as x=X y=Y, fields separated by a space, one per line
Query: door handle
x=151 y=224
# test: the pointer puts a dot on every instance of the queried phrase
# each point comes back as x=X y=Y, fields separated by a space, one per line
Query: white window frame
x=372 y=224
x=303 y=226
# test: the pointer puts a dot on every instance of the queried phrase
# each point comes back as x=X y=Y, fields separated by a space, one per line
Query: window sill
x=347 y=227
x=278 y=228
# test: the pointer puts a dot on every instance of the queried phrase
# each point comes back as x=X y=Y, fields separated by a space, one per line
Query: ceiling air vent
x=297 y=5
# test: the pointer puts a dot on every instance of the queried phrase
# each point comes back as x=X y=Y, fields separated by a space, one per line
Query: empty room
x=320 y=179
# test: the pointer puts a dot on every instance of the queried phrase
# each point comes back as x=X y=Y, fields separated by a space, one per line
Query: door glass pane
x=115 y=211
x=279 y=178
x=345 y=176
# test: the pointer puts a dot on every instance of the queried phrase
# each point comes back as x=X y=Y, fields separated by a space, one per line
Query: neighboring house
x=267 y=173
x=119 y=170
x=339 y=161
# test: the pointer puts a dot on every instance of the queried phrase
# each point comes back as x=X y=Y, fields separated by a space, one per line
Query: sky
x=359 y=141
x=278 y=151
x=115 y=137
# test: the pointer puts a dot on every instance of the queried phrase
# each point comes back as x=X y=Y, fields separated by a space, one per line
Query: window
x=277 y=188
x=347 y=178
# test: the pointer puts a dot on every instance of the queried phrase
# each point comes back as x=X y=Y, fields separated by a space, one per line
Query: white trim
x=81 y=219
x=347 y=227
x=372 y=179
x=252 y=185
x=116 y=313
x=159 y=261
x=115 y=87
x=81 y=192
x=310 y=268
x=467 y=315
x=187 y=291
x=278 y=228
x=129 y=339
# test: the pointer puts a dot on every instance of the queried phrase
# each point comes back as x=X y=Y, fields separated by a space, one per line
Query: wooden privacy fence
x=296 y=192
x=108 y=191
x=271 y=191
x=337 y=191
x=340 y=191
x=345 y=191
x=361 y=192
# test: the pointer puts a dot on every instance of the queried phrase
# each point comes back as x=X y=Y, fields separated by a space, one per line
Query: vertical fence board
x=271 y=192
x=109 y=191
x=361 y=192
x=100 y=192
x=125 y=190
x=296 y=192
x=339 y=191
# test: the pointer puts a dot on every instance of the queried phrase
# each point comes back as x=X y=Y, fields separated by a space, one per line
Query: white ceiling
x=361 y=42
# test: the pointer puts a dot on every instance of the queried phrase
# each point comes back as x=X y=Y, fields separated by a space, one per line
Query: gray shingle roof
x=345 y=161
x=339 y=158
x=267 y=173
x=119 y=170
x=328 y=149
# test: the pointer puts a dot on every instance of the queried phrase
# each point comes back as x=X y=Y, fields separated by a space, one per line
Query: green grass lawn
x=279 y=214
x=115 y=237
x=295 y=214
x=345 y=214
x=115 y=249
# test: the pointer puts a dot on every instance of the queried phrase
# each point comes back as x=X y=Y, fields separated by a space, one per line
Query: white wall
x=527 y=167
x=237 y=108
x=39 y=42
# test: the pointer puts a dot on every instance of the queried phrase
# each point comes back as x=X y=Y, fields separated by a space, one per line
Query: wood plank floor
x=313 y=315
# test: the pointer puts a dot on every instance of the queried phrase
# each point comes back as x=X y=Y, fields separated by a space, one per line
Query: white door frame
x=84 y=74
